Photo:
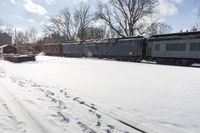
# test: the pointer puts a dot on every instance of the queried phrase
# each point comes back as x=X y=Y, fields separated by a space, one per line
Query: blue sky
x=26 y=14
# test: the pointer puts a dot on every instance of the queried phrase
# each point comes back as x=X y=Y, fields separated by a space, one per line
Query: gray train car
x=128 y=49
x=72 y=49
x=90 y=48
x=175 y=49
x=103 y=48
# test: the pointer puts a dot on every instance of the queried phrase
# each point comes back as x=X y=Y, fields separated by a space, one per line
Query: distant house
x=7 y=49
x=5 y=39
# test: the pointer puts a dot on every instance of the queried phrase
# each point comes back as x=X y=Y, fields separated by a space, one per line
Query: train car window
x=182 y=47
x=195 y=47
x=157 y=47
x=176 y=47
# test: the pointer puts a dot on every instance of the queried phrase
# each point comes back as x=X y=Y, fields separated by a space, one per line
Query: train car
x=175 y=49
x=98 y=48
x=52 y=49
x=90 y=49
x=103 y=47
x=128 y=49
x=73 y=49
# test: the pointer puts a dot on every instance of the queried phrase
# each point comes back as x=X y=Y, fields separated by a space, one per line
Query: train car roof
x=114 y=40
x=176 y=35
x=47 y=44
x=90 y=42
x=70 y=43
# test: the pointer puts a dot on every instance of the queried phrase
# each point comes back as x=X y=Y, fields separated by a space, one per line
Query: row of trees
x=112 y=18
x=115 y=18
x=74 y=25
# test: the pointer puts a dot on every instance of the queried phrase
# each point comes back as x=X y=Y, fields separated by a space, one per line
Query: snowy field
x=63 y=95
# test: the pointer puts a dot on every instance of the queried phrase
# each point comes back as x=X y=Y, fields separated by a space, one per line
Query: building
x=5 y=39
x=7 y=49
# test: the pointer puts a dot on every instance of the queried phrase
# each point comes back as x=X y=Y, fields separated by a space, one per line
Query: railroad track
x=135 y=126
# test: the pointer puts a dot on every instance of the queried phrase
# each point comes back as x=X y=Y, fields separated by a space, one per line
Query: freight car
x=175 y=49
x=73 y=49
x=52 y=49
x=127 y=49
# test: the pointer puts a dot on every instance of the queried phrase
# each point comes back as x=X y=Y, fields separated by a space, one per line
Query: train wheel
x=159 y=61
x=187 y=63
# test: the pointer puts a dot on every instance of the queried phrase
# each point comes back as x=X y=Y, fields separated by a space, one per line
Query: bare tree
x=25 y=37
x=71 y=25
x=83 y=20
x=126 y=17
x=33 y=35
x=62 y=24
x=159 y=28
x=95 y=33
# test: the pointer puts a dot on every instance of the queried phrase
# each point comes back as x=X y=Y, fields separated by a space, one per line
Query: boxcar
x=90 y=49
x=130 y=49
x=52 y=49
x=72 y=49
x=176 y=49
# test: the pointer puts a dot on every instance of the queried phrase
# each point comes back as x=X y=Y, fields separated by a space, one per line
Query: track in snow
x=25 y=120
x=60 y=118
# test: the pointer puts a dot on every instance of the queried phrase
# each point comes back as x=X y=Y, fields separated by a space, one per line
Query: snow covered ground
x=57 y=94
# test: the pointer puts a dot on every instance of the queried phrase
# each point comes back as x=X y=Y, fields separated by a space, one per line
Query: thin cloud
x=32 y=7
x=31 y=20
x=13 y=1
x=167 y=8
x=49 y=2
x=178 y=1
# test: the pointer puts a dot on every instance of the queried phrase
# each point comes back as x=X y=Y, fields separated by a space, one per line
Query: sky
x=27 y=14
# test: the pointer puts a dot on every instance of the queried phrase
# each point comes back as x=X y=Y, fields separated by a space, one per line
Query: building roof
x=3 y=46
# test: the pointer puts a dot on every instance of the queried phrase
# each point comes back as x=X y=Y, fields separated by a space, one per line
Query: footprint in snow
x=48 y=92
x=111 y=126
x=35 y=85
x=98 y=116
x=63 y=117
x=86 y=128
x=98 y=124
x=21 y=127
x=108 y=131
x=61 y=105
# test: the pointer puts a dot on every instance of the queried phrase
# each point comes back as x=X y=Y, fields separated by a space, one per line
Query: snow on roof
x=3 y=46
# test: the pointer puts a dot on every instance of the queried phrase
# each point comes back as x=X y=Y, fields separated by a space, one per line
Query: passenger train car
x=173 y=49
